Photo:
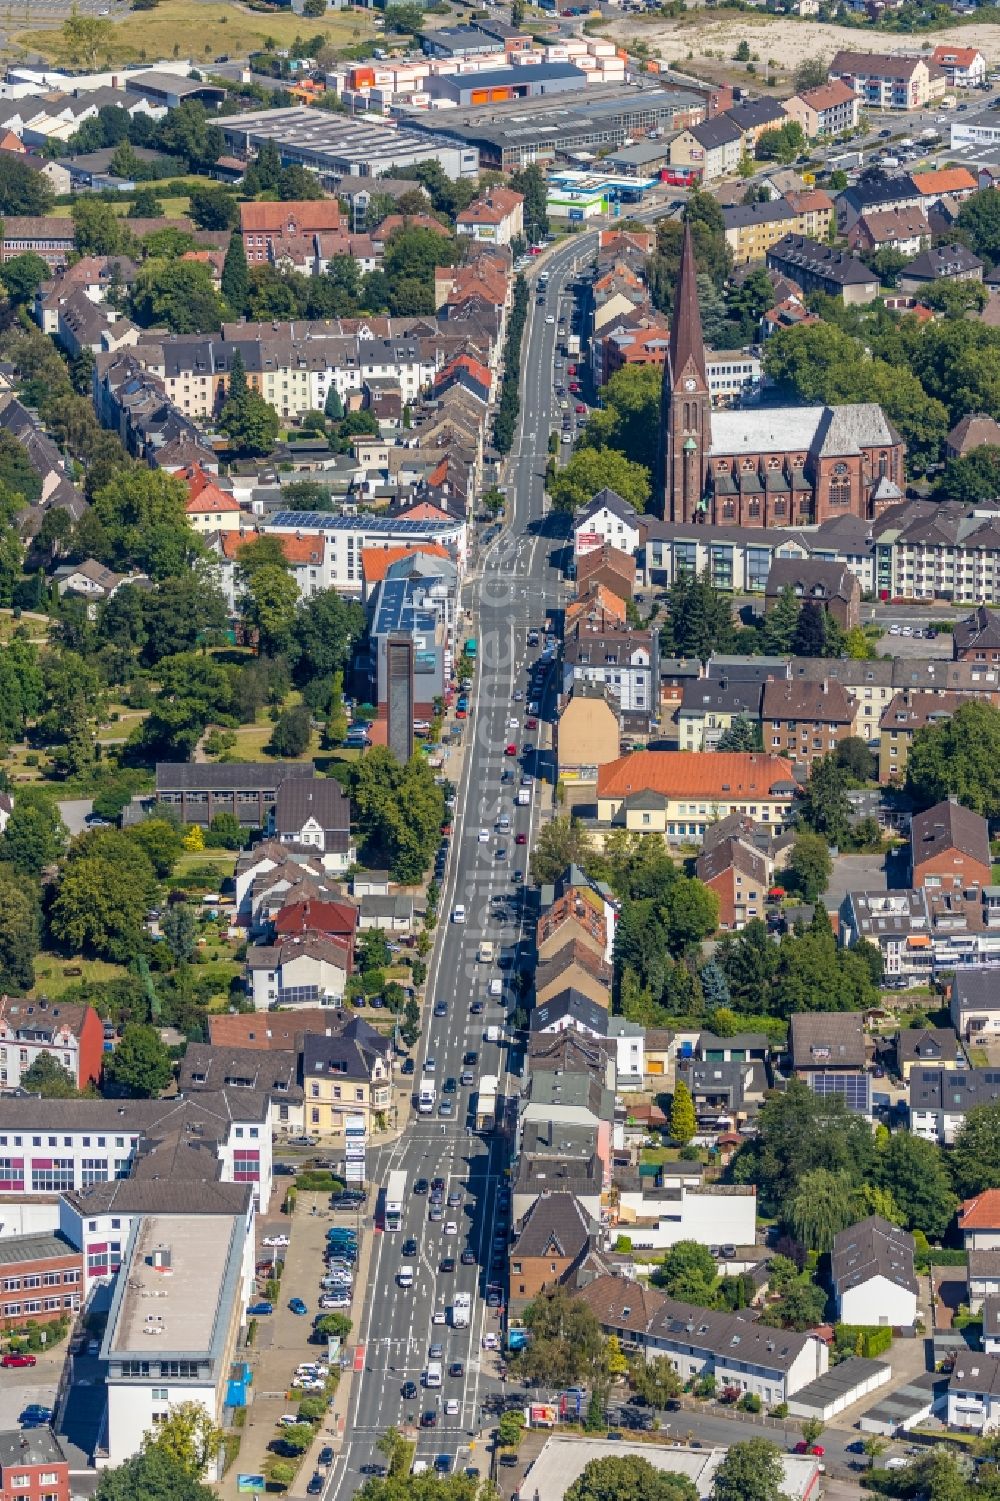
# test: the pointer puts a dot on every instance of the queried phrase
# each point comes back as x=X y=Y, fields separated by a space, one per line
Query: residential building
x=938 y=550
x=71 y=1035
x=53 y=1146
x=678 y=794
x=247 y=790
x=940 y=1099
x=925 y=933
x=945 y=183
x=347 y=1073
x=49 y=236
x=826 y=110
x=806 y=721
x=577 y=915
x=902 y=229
x=974 y=1393
x=262 y=223
x=725 y=1095
x=828 y=1051
x=607 y=519
x=818 y=267
x=751 y=1357
x=752 y=229
x=830 y=584
x=281 y=1030
x=950 y=848
x=874 y=195
x=928 y=1047
x=577 y=966
x=496 y=218
x=713 y=149
x=740 y=876
x=194 y=1268
x=708 y=707
x=884 y=81
x=977 y=639
x=626 y=662
x=969 y=433
x=555 y=1235
x=974 y=1007
x=984 y=1278
x=871 y=1267
x=306 y=968
x=608 y=567
x=907 y=713
x=754 y=117
x=41 y=1280
x=868 y=684
x=270 y=1071
x=979 y=1221
x=940 y=263
x=741 y=561
x=314 y=813
x=33 y=1466
x=210 y=508
x=963 y=67
x=768 y=467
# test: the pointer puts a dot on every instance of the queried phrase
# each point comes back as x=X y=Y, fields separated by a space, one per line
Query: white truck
x=405 y=1276
x=523 y=797
x=486 y=1102
x=426 y=1098
x=492 y=1034
x=461 y=1311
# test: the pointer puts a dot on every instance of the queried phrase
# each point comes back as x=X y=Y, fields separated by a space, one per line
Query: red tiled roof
x=947 y=180
x=376 y=561
x=725 y=775
x=308 y=215
x=334 y=919
x=981 y=1212
x=211 y=498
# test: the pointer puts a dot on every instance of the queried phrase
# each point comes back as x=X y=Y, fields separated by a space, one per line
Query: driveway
x=74 y=812
x=854 y=873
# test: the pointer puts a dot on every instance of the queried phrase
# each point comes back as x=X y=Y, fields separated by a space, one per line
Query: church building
x=765 y=466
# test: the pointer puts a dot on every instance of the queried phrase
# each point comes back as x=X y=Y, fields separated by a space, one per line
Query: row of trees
x=505 y=422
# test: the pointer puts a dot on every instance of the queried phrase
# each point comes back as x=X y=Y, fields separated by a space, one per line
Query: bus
x=395 y=1192
x=471 y=648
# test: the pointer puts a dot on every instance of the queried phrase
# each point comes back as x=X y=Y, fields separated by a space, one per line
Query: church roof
x=686 y=343
x=823 y=431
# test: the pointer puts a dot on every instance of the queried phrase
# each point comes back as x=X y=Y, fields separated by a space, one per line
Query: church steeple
x=686 y=398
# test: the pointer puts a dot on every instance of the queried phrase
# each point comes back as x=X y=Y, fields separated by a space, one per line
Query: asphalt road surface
x=515 y=587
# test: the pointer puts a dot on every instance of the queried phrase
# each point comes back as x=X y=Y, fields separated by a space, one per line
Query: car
x=492 y=1300
x=435 y=1213
x=456 y=1370
x=17 y=1359
x=428 y=1419
x=330 y=1301
x=446 y=1107
x=326 y=1455
x=435 y=1351
x=803 y=1448
x=884 y=135
x=34 y=1413
x=896 y=1462
x=471 y=1058
x=454 y=1198
x=276 y=1240
x=287 y=1420
x=451 y=1407
x=315 y=1486
x=501 y=852
x=296 y=1305
x=304 y=1141
x=484 y=836
x=468 y=1257
x=443 y=1464
x=430 y=1064
x=550 y=317
x=410 y=1247
x=565 y=437
x=256 y=1311
x=437 y=1195
x=421 y=1186
x=581 y=408
x=517 y=876
x=450 y=1086
x=520 y=838
x=284 y=1169
x=409 y=1391
x=451 y=1228
x=467 y=1078
x=439 y=1185
x=506 y=775
x=458 y=913
x=476 y=1009
x=440 y=1009
x=510 y=750
x=409 y=1067
x=508 y=1460
x=447 y=1264
x=518 y=695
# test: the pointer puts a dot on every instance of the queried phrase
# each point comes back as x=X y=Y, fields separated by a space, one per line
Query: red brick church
x=765 y=466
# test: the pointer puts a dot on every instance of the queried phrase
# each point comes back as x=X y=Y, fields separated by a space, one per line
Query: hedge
x=874 y=1340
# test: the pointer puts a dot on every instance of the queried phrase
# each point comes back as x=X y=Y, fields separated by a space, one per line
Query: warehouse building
x=332 y=145
x=500 y=85
x=510 y=136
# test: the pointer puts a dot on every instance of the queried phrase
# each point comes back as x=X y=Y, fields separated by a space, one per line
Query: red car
x=510 y=750
x=521 y=839
x=570 y=369
x=13 y=1361
x=580 y=407
x=803 y=1448
x=531 y=724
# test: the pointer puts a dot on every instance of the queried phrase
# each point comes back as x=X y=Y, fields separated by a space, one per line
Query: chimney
x=826 y=685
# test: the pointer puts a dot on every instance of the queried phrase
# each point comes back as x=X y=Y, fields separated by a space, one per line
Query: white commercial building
x=715 y=1215
x=563 y=1460
x=173 y=1329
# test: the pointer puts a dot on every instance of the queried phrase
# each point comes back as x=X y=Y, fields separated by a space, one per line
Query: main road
x=512 y=592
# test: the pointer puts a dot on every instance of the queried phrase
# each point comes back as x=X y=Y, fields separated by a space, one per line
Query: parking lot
x=914 y=645
x=20 y=1387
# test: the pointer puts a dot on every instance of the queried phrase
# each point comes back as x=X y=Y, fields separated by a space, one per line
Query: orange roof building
x=496 y=218
x=209 y=508
x=956 y=182
x=300 y=551
x=376 y=561
x=677 y=794
x=979 y=1220
x=262 y=223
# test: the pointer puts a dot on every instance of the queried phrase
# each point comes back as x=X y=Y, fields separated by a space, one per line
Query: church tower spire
x=686 y=401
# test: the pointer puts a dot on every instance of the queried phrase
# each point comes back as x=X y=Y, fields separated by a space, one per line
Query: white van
x=405 y=1276
x=503 y=823
x=432 y=1376
x=458 y=913
x=523 y=797
x=496 y=989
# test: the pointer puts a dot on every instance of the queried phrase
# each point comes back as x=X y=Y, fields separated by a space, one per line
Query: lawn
x=224 y=861
x=52 y=977
x=199 y=30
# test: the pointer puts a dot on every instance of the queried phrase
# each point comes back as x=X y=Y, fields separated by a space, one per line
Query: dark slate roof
x=838 y=266
x=711 y=134
x=555 y=1225
x=302 y=798
x=872 y=1248
x=190 y=776
x=949 y=826
x=940 y=262
x=161 y=1196
x=928 y=1045
x=827 y=1039
x=980 y=630
x=351 y=1054
x=953 y=1091
x=976 y=987
x=274 y=1071
x=574 y=1004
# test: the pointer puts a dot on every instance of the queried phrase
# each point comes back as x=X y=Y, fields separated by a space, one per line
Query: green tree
x=751 y=1471
x=821 y=1206
x=628 y=419
x=187 y=1437
x=688 y=1272
x=959 y=757
x=590 y=470
x=34 y=836
x=873 y=1446
x=683 y=1121
x=268 y=606
x=825 y=808
x=782 y=144
x=235 y=275
x=810 y=632
x=142 y=511
x=162 y=841
x=333 y=1326
x=19 y=933
x=530 y=183
x=48 y=1078
x=249 y=420
x=629 y=1478
x=23 y=275
x=561 y=842
x=973 y=477
x=744 y=734
x=975 y=1157
x=98 y=909
x=97 y=229
x=153 y=1475
x=326 y=630
x=799 y=1132
x=690 y=912
x=178 y=295
x=398 y=1451
x=914 y=1172
x=566 y=1344
x=140 y=1065
x=509 y=1429
x=979 y=218
x=810 y=865
x=781 y=623
x=700 y=619
x=292 y=733
x=399 y=812
x=333 y=407
x=810 y=73
x=179 y=932
x=854 y=756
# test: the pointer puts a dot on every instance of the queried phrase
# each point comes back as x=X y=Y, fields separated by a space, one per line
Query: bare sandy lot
x=708 y=37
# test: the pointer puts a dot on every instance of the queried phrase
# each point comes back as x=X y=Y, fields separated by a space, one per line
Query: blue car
x=297 y=1306
x=35 y=1416
x=257 y=1310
